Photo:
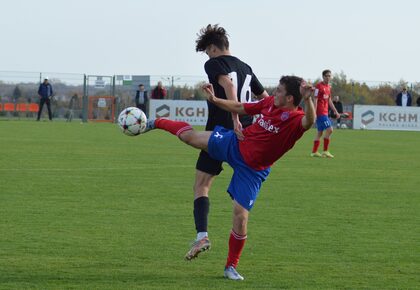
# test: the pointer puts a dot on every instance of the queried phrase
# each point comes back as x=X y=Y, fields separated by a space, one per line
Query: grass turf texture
x=85 y=207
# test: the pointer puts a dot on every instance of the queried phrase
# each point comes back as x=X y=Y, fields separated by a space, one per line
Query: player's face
x=327 y=78
x=281 y=95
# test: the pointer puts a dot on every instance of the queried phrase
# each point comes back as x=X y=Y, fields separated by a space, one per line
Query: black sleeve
x=340 y=107
x=214 y=68
x=256 y=87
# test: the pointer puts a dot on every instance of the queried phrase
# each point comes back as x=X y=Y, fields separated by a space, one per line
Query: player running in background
x=280 y=125
x=323 y=123
x=234 y=80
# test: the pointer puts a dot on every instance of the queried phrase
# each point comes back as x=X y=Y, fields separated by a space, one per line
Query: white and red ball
x=132 y=121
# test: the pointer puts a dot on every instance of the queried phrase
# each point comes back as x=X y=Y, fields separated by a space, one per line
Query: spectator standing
x=74 y=101
x=45 y=93
x=159 y=92
x=339 y=106
x=418 y=102
x=141 y=98
x=403 y=98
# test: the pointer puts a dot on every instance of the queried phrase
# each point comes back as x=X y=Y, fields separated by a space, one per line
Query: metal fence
x=73 y=89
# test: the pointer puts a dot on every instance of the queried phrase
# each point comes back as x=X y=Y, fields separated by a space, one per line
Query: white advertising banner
x=386 y=118
x=193 y=112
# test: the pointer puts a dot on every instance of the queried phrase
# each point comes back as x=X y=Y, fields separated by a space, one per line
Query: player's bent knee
x=187 y=137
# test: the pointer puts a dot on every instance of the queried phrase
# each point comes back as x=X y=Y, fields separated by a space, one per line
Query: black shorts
x=208 y=165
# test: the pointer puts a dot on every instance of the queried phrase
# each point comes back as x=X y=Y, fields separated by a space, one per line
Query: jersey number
x=245 y=96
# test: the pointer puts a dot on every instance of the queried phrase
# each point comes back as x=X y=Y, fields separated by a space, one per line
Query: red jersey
x=273 y=134
x=322 y=95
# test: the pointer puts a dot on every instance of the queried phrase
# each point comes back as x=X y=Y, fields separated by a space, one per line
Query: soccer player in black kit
x=234 y=80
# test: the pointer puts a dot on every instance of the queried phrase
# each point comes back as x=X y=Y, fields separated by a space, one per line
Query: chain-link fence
x=19 y=91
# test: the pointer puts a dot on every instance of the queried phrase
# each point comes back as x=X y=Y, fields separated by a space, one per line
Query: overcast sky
x=368 y=40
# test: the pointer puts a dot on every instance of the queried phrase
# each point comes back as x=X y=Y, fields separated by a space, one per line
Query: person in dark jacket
x=418 y=102
x=73 y=104
x=159 y=92
x=141 y=98
x=45 y=93
x=403 y=98
x=339 y=106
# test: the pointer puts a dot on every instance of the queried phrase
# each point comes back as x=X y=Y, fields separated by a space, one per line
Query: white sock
x=201 y=235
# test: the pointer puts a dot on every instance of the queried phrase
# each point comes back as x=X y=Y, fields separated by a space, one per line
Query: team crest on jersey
x=284 y=116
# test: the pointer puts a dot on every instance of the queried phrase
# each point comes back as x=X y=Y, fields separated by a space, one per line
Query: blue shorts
x=323 y=123
x=246 y=182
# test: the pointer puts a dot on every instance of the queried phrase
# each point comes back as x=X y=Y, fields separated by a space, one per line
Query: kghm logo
x=368 y=117
x=162 y=111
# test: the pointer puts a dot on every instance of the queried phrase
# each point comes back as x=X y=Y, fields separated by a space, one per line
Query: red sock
x=326 y=143
x=173 y=127
x=236 y=244
x=316 y=145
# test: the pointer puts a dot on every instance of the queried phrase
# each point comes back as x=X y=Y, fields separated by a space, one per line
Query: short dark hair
x=326 y=71
x=292 y=85
x=212 y=34
x=141 y=85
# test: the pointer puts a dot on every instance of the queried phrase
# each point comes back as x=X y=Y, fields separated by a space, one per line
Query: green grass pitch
x=84 y=207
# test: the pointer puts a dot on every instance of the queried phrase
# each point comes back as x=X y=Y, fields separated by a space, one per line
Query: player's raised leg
x=183 y=130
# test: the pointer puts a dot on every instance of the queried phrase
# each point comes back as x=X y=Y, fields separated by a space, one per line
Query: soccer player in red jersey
x=280 y=124
x=323 y=123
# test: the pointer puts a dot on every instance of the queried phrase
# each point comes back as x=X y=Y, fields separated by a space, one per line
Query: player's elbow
x=308 y=122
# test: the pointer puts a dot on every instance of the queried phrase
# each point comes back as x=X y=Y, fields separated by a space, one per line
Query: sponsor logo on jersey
x=267 y=125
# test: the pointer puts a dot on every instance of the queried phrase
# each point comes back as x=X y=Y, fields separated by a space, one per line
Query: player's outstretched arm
x=227 y=105
x=230 y=89
x=262 y=96
x=309 y=119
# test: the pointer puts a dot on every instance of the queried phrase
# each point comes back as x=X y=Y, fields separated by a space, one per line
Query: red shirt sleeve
x=318 y=90
x=256 y=107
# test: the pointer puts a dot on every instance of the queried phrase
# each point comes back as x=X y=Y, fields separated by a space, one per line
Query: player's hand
x=208 y=89
x=337 y=115
x=237 y=127
x=306 y=90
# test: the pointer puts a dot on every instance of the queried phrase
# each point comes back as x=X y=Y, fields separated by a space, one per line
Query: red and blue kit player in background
x=323 y=123
x=280 y=124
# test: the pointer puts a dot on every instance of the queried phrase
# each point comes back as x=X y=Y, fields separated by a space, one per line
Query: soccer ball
x=362 y=127
x=132 y=121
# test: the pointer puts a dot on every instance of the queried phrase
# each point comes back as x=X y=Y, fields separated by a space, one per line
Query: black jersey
x=245 y=82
